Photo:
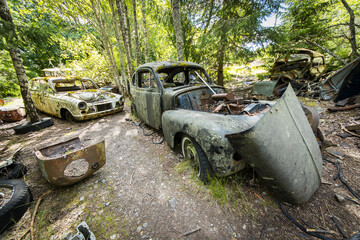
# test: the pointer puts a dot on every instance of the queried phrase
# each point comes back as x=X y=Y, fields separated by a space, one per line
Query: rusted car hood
x=282 y=149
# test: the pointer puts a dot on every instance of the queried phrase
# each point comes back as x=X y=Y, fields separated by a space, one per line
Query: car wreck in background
x=12 y=112
x=73 y=98
x=221 y=133
x=301 y=67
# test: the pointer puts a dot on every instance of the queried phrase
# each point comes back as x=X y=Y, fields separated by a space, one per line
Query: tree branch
x=325 y=50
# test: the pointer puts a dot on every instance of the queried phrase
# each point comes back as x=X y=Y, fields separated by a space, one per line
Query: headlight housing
x=82 y=105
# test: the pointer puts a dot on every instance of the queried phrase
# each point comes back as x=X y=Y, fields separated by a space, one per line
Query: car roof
x=61 y=79
x=156 y=66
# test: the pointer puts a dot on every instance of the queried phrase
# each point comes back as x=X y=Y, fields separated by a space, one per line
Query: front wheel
x=192 y=151
x=68 y=116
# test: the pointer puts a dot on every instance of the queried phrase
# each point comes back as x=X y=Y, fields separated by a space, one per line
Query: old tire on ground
x=13 y=205
x=14 y=171
x=191 y=150
x=31 y=127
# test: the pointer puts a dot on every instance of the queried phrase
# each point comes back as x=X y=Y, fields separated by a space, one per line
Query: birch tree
x=137 y=46
x=118 y=40
x=123 y=20
x=11 y=40
x=145 y=31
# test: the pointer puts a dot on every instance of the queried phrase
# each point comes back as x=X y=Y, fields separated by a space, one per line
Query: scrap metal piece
x=344 y=83
x=11 y=159
x=69 y=162
x=292 y=170
x=83 y=233
x=298 y=67
x=12 y=115
x=265 y=88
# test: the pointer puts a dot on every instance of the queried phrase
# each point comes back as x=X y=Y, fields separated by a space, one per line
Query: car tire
x=192 y=150
x=14 y=171
x=20 y=199
x=68 y=116
x=32 y=127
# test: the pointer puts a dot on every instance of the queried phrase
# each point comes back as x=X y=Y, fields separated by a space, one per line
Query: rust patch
x=12 y=115
x=69 y=162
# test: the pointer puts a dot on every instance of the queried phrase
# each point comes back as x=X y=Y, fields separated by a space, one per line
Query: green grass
x=226 y=191
x=219 y=189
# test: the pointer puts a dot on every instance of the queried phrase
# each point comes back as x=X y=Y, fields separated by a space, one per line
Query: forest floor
x=145 y=191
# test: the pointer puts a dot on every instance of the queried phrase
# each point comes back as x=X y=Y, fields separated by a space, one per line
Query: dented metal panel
x=69 y=162
x=209 y=130
x=288 y=156
x=343 y=83
x=12 y=115
x=265 y=88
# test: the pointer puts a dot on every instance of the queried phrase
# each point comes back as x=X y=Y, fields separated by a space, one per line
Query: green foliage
x=321 y=21
x=8 y=79
x=85 y=60
x=9 y=89
x=62 y=33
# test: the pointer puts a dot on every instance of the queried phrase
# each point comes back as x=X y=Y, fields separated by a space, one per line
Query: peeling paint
x=61 y=96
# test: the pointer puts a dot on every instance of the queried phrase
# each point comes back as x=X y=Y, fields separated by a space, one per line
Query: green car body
x=172 y=96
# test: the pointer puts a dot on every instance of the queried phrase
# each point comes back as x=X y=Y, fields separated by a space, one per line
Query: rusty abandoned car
x=73 y=98
x=221 y=133
x=300 y=67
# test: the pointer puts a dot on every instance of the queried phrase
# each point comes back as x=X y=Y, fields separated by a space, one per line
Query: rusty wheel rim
x=189 y=152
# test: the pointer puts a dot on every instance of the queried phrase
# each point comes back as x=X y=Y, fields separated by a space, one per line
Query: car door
x=147 y=97
x=46 y=101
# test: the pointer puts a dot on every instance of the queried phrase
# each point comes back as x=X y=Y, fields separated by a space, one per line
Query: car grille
x=103 y=107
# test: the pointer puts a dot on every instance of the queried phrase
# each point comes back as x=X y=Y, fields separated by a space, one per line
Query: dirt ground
x=140 y=193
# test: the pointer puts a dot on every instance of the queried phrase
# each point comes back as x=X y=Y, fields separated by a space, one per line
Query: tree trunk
x=11 y=39
x=136 y=34
x=124 y=33
x=128 y=29
x=221 y=57
x=117 y=36
x=104 y=29
x=145 y=32
x=175 y=5
x=352 y=30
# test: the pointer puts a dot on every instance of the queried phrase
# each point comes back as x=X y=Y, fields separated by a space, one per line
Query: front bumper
x=93 y=115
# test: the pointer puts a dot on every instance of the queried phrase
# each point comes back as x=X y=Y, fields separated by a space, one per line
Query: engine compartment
x=220 y=103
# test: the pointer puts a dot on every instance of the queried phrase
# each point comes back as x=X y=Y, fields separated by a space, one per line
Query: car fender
x=208 y=130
